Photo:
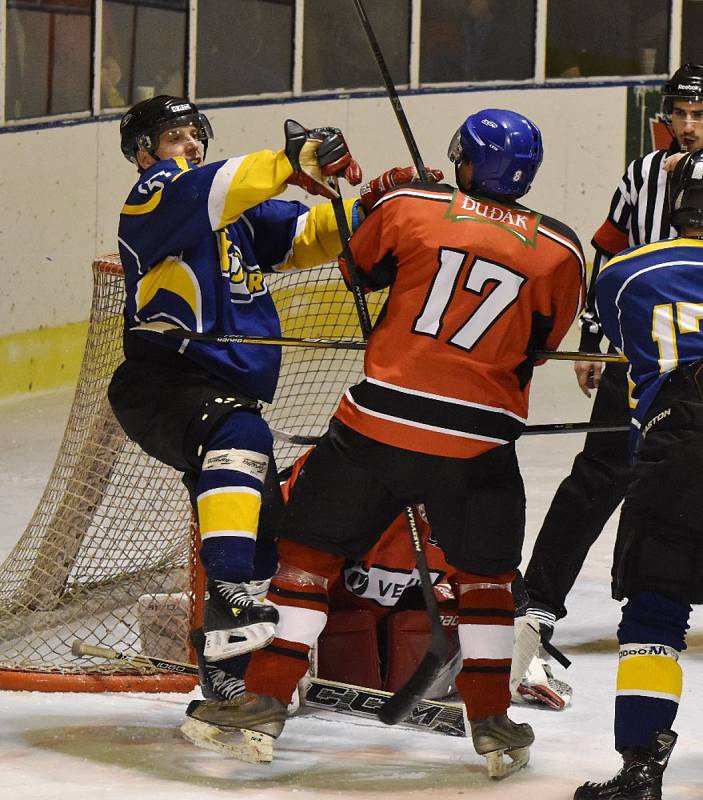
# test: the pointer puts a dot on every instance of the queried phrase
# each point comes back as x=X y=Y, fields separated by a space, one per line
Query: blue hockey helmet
x=504 y=148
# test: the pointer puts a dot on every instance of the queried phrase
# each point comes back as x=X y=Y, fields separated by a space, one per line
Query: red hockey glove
x=374 y=190
x=318 y=156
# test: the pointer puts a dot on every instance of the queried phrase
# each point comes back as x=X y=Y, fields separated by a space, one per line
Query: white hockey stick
x=360 y=701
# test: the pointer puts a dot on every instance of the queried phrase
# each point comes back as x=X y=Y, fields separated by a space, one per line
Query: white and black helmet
x=142 y=125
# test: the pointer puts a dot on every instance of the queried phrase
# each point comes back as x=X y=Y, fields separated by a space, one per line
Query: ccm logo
x=181 y=107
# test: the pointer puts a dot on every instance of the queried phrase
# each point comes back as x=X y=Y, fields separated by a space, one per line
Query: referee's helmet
x=505 y=149
x=685 y=84
x=686 y=191
x=142 y=125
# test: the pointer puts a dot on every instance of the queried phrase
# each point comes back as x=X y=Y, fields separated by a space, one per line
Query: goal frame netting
x=110 y=553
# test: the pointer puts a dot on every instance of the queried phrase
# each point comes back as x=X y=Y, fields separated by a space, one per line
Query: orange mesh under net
x=109 y=556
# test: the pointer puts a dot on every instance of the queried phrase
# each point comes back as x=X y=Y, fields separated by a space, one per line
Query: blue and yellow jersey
x=650 y=302
x=196 y=244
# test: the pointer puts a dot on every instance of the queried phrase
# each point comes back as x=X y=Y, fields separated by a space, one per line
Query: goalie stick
x=427 y=715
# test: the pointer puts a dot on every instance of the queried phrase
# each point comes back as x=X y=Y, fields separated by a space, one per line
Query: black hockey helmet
x=142 y=125
x=686 y=191
x=685 y=84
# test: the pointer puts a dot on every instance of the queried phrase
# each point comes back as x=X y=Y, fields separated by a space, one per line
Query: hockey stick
x=345 y=698
x=173 y=331
x=528 y=430
x=400 y=705
x=392 y=93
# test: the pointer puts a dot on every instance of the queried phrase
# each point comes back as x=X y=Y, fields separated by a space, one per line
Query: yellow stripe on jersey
x=319 y=240
x=651 y=675
x=155 y=199
x=226 y=510
x=183 y=165
x=632 y=403
x=223 y=244
x=242 y=183
x=172 y=275
x=655 y=247
x=143 y=208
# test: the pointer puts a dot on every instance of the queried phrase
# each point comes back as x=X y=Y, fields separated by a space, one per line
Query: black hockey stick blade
x=401 y=704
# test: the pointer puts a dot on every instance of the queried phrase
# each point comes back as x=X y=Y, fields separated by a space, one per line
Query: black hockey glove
x=318 y=156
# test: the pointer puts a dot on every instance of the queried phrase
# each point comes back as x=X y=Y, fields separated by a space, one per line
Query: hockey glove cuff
x=374 y=190
x=318 y=156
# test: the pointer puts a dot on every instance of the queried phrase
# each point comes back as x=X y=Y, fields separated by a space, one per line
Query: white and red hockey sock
x=486 y=614
x=299 y=592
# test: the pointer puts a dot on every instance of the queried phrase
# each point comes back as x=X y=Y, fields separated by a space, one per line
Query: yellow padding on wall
x=659 y=674
x=228 y=511
x=47 y=358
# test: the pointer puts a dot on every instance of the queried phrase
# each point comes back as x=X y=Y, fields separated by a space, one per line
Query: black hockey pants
x=584 y=501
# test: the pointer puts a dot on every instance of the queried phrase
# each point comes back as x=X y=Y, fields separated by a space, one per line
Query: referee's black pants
x=584 y=501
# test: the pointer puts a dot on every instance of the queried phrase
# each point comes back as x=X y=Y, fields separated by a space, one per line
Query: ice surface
x=87 y=747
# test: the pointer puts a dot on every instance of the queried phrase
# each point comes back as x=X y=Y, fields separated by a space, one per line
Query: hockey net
x=110 y=553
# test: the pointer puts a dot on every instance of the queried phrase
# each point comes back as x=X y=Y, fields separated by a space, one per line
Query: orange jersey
x=475 y=287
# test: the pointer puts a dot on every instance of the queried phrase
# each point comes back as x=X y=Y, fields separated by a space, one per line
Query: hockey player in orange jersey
x=376 y=611
x=477 y=283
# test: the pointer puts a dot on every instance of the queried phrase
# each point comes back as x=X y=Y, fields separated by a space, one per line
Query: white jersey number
x=501 y=295
x=688 y=319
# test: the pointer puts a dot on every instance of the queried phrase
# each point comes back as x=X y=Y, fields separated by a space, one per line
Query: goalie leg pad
x=525 y=649
x=408 y=636
x=350 y=632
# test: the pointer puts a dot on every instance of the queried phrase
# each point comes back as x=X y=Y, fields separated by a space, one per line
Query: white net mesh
x=109 y=554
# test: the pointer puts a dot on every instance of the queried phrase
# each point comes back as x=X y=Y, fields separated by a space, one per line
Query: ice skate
x=498 y=736
x=236 y=622
x=640 y=777
x=215 y=683
x=243 y=728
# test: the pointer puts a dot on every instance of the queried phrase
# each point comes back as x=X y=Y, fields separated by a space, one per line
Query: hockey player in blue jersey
x=196 y=241
x=650 y=302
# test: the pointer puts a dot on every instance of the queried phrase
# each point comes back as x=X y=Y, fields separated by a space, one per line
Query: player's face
x=181 y=142
x=687 y=122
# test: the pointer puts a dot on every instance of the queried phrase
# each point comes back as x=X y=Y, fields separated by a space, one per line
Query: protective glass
x=454 y=150
x=195 y=125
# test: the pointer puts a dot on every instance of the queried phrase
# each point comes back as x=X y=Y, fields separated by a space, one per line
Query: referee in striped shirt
x=587 y=497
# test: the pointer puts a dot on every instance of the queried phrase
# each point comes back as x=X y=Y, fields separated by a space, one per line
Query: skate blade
x=499 y=768
x=254 y=747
